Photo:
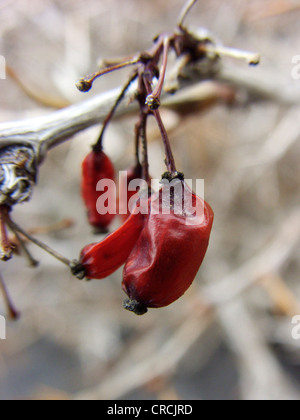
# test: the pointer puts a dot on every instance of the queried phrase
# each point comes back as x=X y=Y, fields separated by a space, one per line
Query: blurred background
x=230 y=335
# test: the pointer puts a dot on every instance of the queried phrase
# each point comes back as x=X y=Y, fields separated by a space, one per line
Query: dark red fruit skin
x=96 y=166
x=131 y=174
x=166 y=257
x=101 y=259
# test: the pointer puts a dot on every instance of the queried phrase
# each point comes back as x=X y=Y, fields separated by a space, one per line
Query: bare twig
x=48 y=100
x=271 y=259
x=11 y=310
x=43 y=133
x=31 y=260
x=251 y=58
x=17 y=229
x=284 y=301
x=186 y=9
x=261 y=85
x=46 y=132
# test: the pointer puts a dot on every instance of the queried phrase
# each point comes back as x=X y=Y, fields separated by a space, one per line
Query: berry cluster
x=162 y=242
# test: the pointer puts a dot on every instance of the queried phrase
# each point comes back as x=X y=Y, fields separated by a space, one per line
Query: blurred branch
x=130 y=375
x=46 y=132
x=270 y=9
x=270 y=259
x=278 y=143
x=261 y=85
x=284 y=300
x=43 y=133
x=261 y=376
x=40 y=98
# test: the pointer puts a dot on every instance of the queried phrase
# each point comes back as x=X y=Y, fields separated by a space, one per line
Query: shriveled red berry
x=101 y=259
x=96 y=167
x=168 y=252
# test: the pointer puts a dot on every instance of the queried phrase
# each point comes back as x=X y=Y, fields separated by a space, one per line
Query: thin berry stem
x=32 y=261
x=12 y=312
x=99 y=144
x=143 y=137
x=186 y=9
x=14 y=227
x=170 y=161
x=75 y=266
x=153 y=100
x=85 y=84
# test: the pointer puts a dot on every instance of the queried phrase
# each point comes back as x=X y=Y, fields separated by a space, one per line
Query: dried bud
x=84 y=85
x=153 y=102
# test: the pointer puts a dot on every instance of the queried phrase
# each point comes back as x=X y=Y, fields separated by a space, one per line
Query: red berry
x=168 y=252
x=96 y=167
x=102 y=259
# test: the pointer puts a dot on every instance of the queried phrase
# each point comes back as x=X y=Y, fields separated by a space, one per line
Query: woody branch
x=48 y=131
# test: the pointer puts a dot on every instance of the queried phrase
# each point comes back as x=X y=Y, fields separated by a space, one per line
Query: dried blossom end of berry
x=5 y=255
x=173 y=175
x=135 y=306
x=152 y=102
x=84 y=85
x=77 y=270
